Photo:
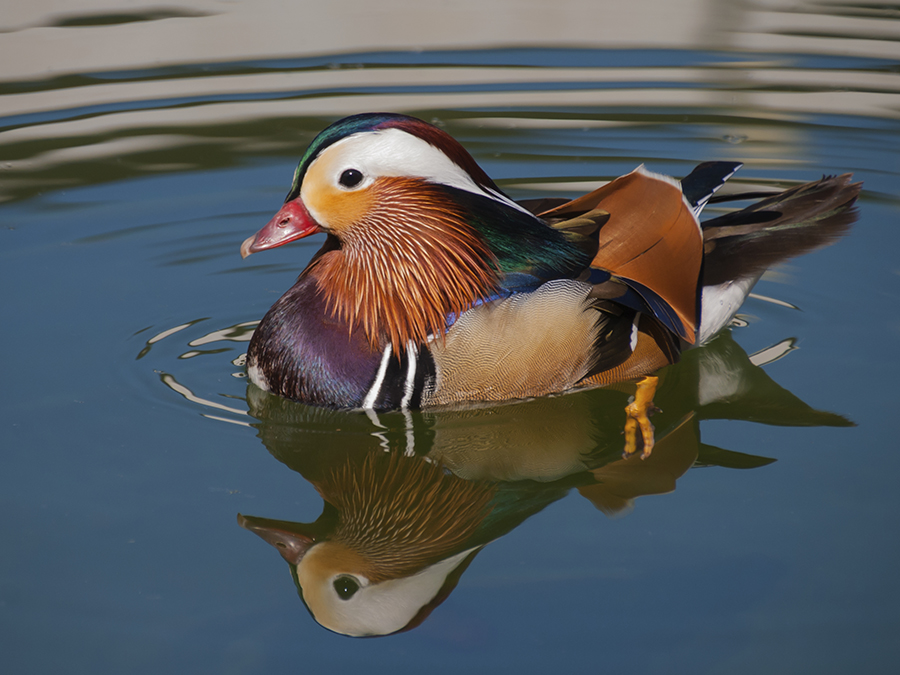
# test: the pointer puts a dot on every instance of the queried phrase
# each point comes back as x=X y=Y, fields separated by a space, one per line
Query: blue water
x=128 y=451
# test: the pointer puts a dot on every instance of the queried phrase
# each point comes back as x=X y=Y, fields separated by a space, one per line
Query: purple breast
x=308 y=356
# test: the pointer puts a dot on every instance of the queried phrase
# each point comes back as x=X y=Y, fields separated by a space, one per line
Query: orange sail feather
x=652 y=238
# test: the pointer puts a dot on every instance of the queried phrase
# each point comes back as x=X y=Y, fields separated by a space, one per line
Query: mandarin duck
x=435 y=288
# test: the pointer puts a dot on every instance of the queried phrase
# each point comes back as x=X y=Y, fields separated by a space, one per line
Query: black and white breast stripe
x=401 y=381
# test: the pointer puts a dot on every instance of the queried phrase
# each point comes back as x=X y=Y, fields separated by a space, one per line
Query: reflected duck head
x=395 y=536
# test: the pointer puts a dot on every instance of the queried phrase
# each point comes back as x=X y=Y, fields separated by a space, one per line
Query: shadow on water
x=410 y=498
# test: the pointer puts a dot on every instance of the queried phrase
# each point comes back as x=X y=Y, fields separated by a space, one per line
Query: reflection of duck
x=396 y=536
x=410 y=498
x=433 y=287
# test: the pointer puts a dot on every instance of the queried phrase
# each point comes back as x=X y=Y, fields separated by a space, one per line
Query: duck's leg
x=638 y=412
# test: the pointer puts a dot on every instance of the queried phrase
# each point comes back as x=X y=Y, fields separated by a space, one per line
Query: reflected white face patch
x=375 y=609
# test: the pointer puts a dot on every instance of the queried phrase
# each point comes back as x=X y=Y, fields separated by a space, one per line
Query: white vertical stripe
x=410 y=435
x=411 y=355
x=372 y=396
x=634 y=332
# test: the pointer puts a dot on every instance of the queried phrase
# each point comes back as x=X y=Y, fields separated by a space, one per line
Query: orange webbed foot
x=639 y=411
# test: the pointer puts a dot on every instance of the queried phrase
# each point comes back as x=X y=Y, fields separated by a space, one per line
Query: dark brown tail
x=747 y=242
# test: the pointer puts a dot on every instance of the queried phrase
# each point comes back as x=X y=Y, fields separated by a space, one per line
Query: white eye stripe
x=396 y=153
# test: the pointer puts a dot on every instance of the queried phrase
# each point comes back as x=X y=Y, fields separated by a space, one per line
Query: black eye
x=351 y=178
x=345 y=587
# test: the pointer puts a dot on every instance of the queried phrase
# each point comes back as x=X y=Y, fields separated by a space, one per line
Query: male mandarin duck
x=433 y=287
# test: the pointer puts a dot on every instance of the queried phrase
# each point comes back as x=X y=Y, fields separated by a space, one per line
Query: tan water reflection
x=65 y=111
x=54 y=37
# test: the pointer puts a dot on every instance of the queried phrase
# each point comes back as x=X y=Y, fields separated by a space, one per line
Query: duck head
x=417 y=231
x=357 y=163
x=390 y=546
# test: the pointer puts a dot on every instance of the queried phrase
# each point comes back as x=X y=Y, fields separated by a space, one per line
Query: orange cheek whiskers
x=408 y=264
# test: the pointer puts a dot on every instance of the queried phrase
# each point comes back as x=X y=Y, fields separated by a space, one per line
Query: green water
x=131 y=441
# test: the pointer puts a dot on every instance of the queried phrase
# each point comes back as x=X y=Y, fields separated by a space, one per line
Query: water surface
x=131 y=440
